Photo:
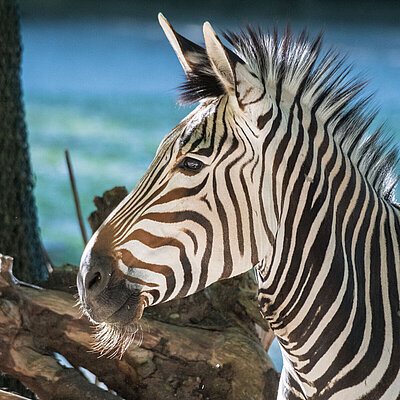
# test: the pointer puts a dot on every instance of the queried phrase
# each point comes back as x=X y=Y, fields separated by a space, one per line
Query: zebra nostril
x=95 y=274
x=96 y=278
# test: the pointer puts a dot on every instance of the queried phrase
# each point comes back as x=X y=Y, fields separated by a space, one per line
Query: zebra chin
x=128 y=313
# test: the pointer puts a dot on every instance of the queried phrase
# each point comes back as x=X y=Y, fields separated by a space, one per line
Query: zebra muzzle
x=103 y=292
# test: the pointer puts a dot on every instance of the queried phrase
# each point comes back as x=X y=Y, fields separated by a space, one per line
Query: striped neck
x=332 y=244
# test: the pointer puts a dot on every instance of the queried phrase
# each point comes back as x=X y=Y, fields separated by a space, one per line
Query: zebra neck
x=327 y=289
x=331 y=246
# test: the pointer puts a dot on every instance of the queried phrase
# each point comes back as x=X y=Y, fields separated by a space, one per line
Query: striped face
x=183 y=227
x=189 y=222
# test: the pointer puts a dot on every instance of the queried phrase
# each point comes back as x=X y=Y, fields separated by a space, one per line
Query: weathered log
x=204 y=346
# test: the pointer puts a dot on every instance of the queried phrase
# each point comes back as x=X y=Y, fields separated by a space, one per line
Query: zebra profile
x=277 y=168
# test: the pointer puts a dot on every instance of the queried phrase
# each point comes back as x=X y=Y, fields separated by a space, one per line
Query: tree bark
x=19 y=234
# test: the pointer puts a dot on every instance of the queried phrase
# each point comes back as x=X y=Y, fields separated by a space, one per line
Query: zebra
x=278 y=168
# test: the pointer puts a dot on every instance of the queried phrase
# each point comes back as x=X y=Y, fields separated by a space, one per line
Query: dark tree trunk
x=19 y=234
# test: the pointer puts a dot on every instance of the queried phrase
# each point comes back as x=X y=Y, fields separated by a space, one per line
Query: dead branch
x=191 y=349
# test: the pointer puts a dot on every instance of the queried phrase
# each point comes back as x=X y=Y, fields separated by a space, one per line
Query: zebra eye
x=191 y=164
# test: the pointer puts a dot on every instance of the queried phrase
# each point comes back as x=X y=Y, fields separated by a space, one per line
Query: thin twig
x=76 y=197
x=49 y=264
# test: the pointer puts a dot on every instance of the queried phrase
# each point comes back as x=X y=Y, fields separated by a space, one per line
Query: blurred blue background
x=100 y=80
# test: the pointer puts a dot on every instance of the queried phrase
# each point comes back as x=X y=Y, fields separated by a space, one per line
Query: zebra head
x=188 y=223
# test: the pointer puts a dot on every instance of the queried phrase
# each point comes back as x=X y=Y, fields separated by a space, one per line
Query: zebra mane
x=297 y=64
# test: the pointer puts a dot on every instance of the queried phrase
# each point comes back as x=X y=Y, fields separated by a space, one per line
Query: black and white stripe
x=276 y=168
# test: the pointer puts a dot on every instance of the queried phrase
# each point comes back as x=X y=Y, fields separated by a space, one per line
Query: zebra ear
x=221 y=63
x=231 y=70
x=188 y=53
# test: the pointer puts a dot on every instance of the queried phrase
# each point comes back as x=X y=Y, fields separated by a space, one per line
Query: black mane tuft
x=295 y=62
x=200 y=84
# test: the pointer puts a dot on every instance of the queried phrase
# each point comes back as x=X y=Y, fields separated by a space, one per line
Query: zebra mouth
x=130 y=312
x=121 y=329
